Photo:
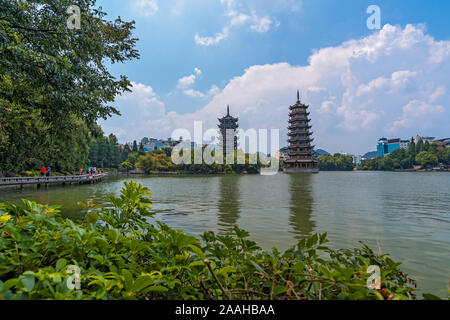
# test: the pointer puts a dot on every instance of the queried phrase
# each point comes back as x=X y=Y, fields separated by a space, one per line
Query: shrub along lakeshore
x=122 y=255
x=160 y=161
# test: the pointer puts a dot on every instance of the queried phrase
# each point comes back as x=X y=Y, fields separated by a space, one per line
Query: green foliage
x=155 y=161
x=160 y=161
x=426 y=158
x=125 y=166
x=121 y=255
x=54 y=82
x=132 y=158
x=105 y=152
x=337 y=162
x=423 y=154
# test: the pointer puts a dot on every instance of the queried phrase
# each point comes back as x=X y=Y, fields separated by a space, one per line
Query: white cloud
x=185 y=84
x=237 y=18
x=262 y=24
x=145 y=7
x=197 y=71
x=418 y=113
x=209 y=41
x=194 y=93
x=186 y=81
x=214 y=90
x=387 y=84
x=137 y=108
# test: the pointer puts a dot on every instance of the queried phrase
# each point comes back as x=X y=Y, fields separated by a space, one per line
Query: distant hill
x=320 y=152
x=370 y=155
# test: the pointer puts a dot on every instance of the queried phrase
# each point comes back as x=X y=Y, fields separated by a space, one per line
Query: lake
x=404 y=214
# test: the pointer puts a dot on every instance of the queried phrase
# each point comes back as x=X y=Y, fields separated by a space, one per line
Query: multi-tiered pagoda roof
x=301 y=151
x=228 y=126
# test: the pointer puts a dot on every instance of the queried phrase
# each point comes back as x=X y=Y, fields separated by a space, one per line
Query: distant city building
x=445 y=142
x=387 y=146
x=424 y=139
x=157 y=144
x=301 y=151
x=404 y=144
x=228 y=135
x=357 y=159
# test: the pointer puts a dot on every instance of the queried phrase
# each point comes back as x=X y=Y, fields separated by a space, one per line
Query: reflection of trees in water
x=301 y=204
x=229 y=203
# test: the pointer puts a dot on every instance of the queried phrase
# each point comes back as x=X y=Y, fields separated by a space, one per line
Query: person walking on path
x=49 y=170
x=43 y=171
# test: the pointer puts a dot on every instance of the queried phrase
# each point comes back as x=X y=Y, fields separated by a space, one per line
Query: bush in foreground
x=122 y=256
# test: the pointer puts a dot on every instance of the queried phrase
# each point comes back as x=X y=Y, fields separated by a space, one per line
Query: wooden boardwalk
x=46 y=181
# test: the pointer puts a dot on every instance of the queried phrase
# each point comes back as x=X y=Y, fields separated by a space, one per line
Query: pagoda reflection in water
x=229 y=203
x=301 y=205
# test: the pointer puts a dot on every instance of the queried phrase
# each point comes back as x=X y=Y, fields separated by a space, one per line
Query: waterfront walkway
x=46 y=181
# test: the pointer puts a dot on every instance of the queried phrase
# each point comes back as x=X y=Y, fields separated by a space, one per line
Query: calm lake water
x=405 y=214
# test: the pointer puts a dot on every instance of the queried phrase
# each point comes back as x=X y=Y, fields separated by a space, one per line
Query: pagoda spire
x=301 y=151
x=228 y=126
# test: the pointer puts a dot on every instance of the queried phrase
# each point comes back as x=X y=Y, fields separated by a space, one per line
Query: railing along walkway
x=19 y=181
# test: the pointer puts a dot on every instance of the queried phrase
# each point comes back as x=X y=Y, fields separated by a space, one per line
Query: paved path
x=86 y=178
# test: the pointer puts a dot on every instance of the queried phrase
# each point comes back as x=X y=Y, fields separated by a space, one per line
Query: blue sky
x=199 y=55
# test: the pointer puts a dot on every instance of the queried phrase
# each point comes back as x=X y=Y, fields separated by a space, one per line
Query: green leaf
x=27 y=282
x=257 y=266
x=279 y=290
x=142 y=282
x=10 y=283
x=225 y=270
x=429 y=296
x=198 y=251
x=312 y=241
x=92 y=217
x=60 y=264
x=128 y=279
x=197 y=264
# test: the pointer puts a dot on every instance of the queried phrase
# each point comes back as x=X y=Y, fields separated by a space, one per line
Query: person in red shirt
x=43 y=171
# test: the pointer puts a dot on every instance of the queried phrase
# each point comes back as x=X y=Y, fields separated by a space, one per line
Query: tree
x=444 y=155
x=338 y=162
x=126 y=166
x=51 y=78
x=425 y=159
x=133 y=158
x=135 y=147
x=105 y=152
x=412 y=150
x=420 y=146
x=59 y=71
